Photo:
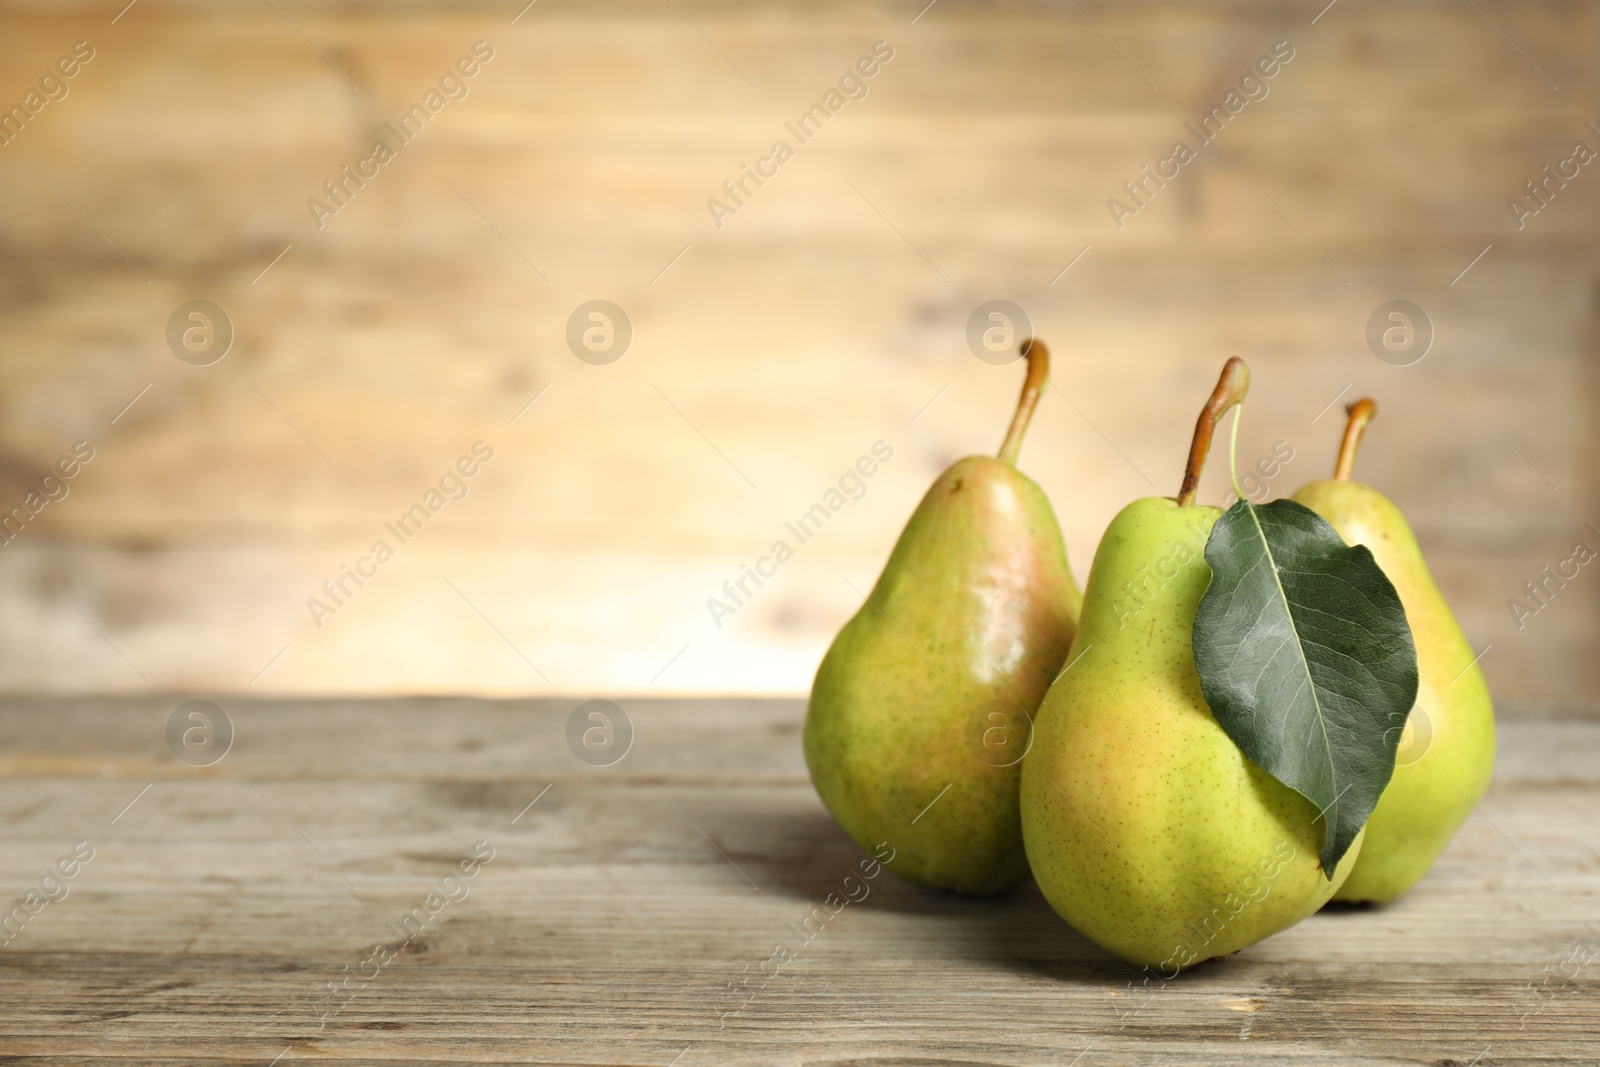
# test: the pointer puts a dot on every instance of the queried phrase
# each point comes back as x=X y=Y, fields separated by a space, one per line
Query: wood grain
x=821 y=318
x=615 y=923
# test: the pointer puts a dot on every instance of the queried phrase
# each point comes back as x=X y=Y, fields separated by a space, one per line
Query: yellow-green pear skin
x=1147 y=828
x=975 y=610
x=1446 y=753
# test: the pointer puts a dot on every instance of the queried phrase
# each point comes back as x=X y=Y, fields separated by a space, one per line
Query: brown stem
x=1038 y=357
x=1230 y=390
x=1360 y=413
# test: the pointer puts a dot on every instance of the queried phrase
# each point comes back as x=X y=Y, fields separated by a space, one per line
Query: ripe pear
x=1147 y=828
x=921 y=709
x=1446 y=751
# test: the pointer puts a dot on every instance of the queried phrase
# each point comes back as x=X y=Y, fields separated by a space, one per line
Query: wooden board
x=625 y=916
x=824 y=316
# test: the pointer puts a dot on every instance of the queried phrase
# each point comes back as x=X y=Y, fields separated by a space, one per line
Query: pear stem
x=1360 y=413
x=1038 y=357
x=1232 y=385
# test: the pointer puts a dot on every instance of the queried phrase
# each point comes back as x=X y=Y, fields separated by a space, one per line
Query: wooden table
x=621 y=915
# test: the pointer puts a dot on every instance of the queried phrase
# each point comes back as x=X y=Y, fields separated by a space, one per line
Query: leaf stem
x=1360 y=413
x=1038 y=357
x=1233 y=452
x=1232 y=385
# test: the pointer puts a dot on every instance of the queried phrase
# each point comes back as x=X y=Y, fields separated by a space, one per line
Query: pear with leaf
x=1167 y=811
x=921 y=710
x=1446 y=742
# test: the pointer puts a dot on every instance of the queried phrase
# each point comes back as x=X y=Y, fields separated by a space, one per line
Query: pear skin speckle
x=1146 y=827
x=1444 y=767
x=971 y=619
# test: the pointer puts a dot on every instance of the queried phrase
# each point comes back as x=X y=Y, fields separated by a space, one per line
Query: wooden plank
x=818 y=320
x=607 y=930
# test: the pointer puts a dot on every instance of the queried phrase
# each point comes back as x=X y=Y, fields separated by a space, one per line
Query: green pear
x=921 y=709
x=1147 y=828
x=1446 y=751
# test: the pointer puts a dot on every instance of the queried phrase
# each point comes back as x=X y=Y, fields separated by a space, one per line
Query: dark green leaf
x=1306 y=659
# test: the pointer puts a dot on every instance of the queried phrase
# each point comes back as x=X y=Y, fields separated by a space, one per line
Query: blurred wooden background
x=821 y=318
